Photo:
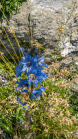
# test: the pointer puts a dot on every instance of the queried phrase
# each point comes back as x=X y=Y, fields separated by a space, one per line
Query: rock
x=3 y=79
x=46 y=19
x=66 y=40
x=74 y=84
x=70 y=59
x=66 y=47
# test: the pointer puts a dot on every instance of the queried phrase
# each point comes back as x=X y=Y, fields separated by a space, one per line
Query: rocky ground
x=46 y=21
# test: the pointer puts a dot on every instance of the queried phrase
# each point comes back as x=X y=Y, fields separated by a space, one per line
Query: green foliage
x=74 y=101
x=10 y=113
x=8 y=6
x=42 y=136
x=1 y=71
x=6 y=124
x=56 y=56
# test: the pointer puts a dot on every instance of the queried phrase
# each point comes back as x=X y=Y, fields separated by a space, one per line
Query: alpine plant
x=32 y=67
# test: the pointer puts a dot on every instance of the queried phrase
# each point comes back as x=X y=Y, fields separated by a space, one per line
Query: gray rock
x=74 y=84
x=46 y=18
x=66 y=40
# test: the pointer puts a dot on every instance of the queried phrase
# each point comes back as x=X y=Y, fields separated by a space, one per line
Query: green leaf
x=12 y=4
x=7 y=2
x=7 y=129
x=28 y=135
x=20 y=112
x=50 y=54
x=10 y=14
x=33 y=127
x=41 y=136
x=16 y=4
x=7 y=7
x=1 y=71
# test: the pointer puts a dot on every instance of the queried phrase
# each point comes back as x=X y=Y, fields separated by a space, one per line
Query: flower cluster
x=31 y=66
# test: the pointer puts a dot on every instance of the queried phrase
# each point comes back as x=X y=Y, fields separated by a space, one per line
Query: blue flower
x=19 y=70
x=20 y=122
x=35 y=94
x=22 y=49
x=23 y=85
x=35 y=50
x=23 y=104
x=36 y=75
x=28 y=62
x=18 y=99
x=41 y=59
x=32 y=66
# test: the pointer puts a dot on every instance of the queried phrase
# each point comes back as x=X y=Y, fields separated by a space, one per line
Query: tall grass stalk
x=13 y=33
x=2 y=57
x=9 y=52
x=4 y=70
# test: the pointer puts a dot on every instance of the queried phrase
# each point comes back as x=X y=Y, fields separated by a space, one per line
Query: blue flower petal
x=36 y=97
x=20 y=122
x=18 y=99
x=23 y=60
x=22 y=83
x=35 y=93
x=18 y=69
x=30 y=120
x=43 y=88
x=35 y=83
x=22 y=49
x=41 y=59
x=40 y=81
x=45 y=65
x=24 y=67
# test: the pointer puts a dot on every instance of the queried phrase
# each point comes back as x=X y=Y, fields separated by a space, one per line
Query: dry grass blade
x=13 y=32
x=2 y=57
x=8 y=52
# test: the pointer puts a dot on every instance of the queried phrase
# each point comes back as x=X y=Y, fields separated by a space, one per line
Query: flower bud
x=14 y=80
x=15 y=137
x=45 y=130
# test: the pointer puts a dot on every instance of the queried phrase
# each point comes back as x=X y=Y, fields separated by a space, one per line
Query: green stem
x=58 y=44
